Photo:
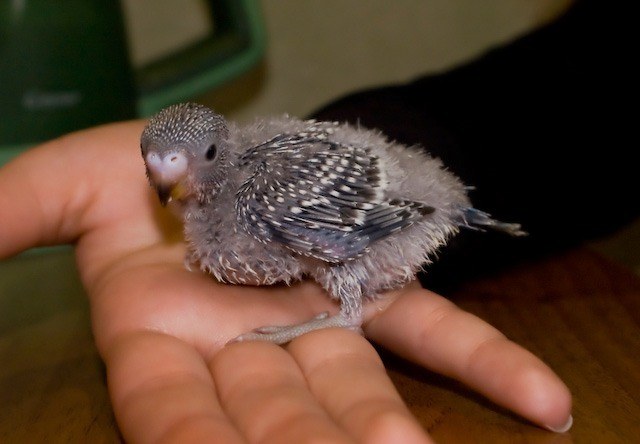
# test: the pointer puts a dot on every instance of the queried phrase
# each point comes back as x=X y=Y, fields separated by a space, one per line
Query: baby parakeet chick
x=284 y=199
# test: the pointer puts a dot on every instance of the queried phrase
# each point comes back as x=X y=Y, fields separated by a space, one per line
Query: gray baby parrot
x=282 y=199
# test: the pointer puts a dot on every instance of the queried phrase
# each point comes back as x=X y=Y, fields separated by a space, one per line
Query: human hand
x=162 y=330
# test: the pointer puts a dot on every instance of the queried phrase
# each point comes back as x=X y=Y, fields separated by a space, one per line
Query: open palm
x=162 y=329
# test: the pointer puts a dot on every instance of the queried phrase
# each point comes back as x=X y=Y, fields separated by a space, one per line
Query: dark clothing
x=540 y=127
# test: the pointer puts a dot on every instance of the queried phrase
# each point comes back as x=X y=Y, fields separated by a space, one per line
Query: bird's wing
x=320 y=198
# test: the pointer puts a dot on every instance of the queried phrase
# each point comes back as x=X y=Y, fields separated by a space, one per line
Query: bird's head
x=185 y=147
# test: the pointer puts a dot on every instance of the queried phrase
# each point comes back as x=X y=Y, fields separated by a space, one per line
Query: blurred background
x=318 y=50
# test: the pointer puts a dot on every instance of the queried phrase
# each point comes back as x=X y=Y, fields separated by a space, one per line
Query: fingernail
x=563 y=428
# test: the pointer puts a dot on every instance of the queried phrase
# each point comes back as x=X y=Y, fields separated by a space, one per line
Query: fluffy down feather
x=281 y=199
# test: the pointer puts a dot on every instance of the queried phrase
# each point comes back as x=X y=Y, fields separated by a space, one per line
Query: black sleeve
x=541 y=128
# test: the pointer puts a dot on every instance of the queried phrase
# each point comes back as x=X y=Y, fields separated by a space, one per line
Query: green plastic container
x=64 y=65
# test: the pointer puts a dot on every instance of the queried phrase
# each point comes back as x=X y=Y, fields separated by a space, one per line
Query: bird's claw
x=281 y=334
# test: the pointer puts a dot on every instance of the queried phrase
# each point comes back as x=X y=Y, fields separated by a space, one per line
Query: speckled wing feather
x=318 y=197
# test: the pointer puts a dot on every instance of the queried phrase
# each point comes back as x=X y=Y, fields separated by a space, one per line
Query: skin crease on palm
x=162 y=329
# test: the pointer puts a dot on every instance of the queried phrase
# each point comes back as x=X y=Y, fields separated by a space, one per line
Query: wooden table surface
x=579 y=312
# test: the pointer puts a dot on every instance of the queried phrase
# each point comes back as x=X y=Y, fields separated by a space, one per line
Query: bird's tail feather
x=479 y=220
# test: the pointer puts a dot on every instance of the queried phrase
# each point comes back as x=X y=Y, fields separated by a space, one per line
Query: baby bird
x=283 y=199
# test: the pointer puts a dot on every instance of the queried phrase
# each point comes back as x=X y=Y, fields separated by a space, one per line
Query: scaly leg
x=350 y=317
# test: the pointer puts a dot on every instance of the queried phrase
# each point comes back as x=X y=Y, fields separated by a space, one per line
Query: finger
x=162 y=391
x=430 y=330
x=348 y=378
x=264 y=392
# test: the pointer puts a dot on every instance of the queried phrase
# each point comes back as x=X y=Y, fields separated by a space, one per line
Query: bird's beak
x=167 y=173
x=164 y=193
x=169 y=192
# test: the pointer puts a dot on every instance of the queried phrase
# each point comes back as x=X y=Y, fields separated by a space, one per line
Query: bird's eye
x=211 y=152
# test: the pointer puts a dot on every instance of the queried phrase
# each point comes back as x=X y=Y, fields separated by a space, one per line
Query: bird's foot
x=281 y=334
